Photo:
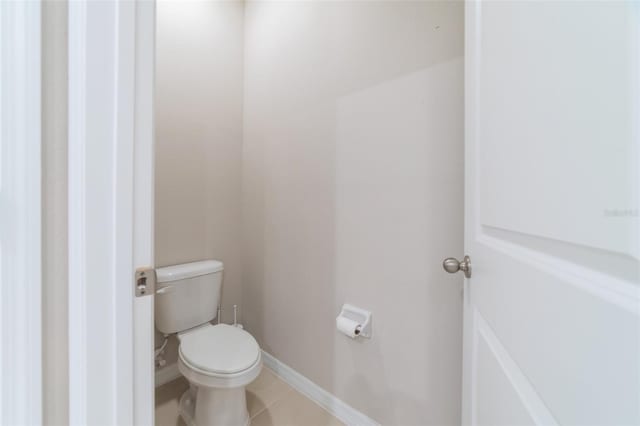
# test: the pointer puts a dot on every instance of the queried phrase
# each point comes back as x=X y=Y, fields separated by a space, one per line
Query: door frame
x=20 y=213
x=110 y=199
x=143 y=210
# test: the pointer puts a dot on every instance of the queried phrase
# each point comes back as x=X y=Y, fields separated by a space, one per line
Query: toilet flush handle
x=165 y=290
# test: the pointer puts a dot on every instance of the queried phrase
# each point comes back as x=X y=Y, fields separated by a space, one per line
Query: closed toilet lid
x=220 y=349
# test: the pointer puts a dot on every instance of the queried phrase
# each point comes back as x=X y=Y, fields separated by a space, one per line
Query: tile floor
x=271 y=402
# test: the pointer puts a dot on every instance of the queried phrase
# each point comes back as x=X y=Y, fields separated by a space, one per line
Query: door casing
x=110 y=211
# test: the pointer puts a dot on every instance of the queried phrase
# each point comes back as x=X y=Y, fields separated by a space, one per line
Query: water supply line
x=164 y=345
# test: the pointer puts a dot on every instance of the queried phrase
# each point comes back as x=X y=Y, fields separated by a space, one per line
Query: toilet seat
x=219 y=350
x=219 y=356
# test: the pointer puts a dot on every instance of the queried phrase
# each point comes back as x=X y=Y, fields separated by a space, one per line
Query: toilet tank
x=187 y=295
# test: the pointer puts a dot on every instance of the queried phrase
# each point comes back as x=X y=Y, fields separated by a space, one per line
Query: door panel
x=557 y=84
x=497 y=397
x=552 y=308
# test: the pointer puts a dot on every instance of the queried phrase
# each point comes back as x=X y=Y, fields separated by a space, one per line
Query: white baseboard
x=329 y=402
x=167 y=374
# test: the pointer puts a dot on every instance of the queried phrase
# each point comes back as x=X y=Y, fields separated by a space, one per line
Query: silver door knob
x=453 y=265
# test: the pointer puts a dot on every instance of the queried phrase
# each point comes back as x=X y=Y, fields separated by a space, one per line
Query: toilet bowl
x=218 y=361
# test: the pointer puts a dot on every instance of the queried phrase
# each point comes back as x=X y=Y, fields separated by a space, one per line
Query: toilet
x=219 y=361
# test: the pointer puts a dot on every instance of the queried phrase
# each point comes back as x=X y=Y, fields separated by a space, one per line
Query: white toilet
x=218 y=360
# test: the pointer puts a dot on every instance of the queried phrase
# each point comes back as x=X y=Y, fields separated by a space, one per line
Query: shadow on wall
x=398 y=170
x=353 y=193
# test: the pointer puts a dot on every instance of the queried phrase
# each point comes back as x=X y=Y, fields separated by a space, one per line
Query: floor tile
x=270 y=401
x=264 y=391
x=294 y=410
x=167 y=399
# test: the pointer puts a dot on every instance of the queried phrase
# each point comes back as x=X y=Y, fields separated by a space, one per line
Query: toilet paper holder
x=361 y=316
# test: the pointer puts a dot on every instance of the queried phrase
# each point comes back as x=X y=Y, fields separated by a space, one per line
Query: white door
x=552 y=325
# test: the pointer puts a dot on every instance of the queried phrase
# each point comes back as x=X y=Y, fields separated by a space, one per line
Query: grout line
x=257 y=414
x=266 y=407
x=291 y=390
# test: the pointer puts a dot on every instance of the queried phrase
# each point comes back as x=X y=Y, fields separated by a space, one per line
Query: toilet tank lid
x=188 y=270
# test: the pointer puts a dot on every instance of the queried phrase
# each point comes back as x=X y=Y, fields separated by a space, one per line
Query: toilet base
x=214 y=406
x=186 y=408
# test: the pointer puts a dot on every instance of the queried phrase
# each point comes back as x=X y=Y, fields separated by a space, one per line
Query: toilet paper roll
x=348 y=327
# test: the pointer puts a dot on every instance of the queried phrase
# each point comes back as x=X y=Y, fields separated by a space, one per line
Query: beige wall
x=54 y=213
x=198 y=129
x=353 y=192
x=338 y=164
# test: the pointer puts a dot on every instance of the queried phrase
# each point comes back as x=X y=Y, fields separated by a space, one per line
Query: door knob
x=453 y=265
